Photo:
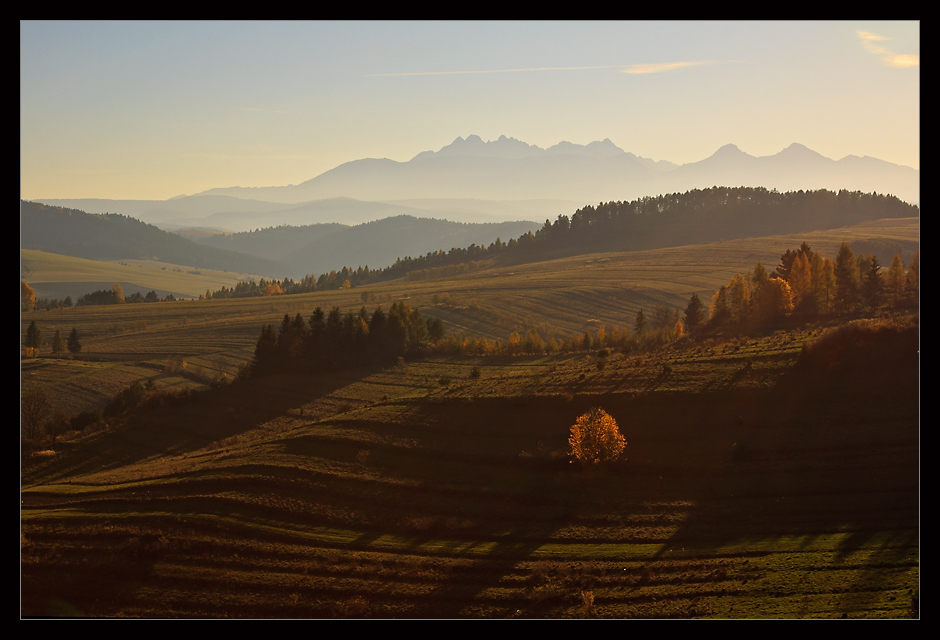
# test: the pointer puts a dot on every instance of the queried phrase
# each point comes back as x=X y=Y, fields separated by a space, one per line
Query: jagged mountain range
x=475 y=181
x=508 y=169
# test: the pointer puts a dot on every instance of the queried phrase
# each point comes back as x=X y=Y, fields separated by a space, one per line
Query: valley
x=749 y=489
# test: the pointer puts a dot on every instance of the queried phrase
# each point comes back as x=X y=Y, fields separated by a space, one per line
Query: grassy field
x=745 y=493
x=56 y=276
x=567 y=296
x=751 y=487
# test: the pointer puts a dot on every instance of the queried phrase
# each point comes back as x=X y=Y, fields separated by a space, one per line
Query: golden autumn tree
x=595 y=438
x=27 y=297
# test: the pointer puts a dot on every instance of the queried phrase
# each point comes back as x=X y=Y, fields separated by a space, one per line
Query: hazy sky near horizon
x=151 y=110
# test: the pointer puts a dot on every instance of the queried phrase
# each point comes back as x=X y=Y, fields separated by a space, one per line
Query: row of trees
x=805 y=284
x=114 y=295
x=34 y=341
x=696 y=216
x=333 y=340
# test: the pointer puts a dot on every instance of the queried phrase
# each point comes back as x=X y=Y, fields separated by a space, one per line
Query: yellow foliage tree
x=596 y=438
x=27 y=297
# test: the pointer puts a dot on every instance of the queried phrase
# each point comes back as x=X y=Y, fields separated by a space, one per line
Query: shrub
x=127 y=399
x=81 y=421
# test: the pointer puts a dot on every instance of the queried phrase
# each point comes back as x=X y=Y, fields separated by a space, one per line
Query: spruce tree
x=846 y=272
x=73 y=344
x=58 y=346
x=33 y=336
x=694 y=314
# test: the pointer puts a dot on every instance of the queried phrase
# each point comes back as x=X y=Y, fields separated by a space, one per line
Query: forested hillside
x=114 y=237
x=670 y=220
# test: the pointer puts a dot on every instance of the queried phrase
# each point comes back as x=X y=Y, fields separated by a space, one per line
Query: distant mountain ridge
x=504 y=180
x=508 y=169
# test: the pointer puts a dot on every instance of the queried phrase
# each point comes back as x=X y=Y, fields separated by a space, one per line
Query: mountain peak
x=511 y=148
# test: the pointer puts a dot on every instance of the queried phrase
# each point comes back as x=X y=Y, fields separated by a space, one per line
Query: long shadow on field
x=833 y=455
x=194 y=423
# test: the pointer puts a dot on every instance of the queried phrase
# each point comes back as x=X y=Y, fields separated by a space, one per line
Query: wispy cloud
x=261 y=110
x=452 y=73
x=870 y=42
x=662 y=67
x=225 y=156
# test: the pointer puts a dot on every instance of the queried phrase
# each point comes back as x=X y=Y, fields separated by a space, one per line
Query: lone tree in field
x=595 y=438
x=33 y=336
x=73 y=344
x=34 y=409
x=58 y=344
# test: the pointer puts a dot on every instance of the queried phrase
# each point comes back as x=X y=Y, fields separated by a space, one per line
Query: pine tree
x=720 y=311
x=873 y=285
x=846 y=272
x=58 y=345
x=894 y=282
x=694 y=314
x=33 y=336
x=73 y=344
x=912 y=285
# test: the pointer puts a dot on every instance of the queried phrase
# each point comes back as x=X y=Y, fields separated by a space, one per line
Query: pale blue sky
x=150 y=110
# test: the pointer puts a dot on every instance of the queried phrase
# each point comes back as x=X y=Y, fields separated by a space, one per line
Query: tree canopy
x=595 y=438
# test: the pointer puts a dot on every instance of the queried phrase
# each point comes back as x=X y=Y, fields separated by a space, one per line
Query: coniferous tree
x=639 y=325
x=33 y=336
x=894 y=282
x=694 y=315
x=846 y=272
x=74 y=344
x=873 y=285
x=58 y=345
x=720 y=310
x=828 y=289
x=912 y=285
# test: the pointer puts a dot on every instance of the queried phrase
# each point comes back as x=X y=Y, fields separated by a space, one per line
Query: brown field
x=753 y=486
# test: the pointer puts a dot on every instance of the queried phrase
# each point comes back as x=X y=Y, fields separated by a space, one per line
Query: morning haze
x=470 y=319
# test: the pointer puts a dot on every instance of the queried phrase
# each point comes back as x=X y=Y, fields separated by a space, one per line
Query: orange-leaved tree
x=596 y=438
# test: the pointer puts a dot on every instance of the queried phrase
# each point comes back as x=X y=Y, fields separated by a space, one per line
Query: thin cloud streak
x=901 y=60
x=222 y=156
x=451 y=73
x=261 y=110
x=662 y=67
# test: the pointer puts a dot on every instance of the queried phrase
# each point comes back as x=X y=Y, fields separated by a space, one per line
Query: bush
x=127 y=399
x=81 y=421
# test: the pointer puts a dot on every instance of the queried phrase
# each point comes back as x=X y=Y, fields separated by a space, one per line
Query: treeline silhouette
x=675 y=219
x=335 y=340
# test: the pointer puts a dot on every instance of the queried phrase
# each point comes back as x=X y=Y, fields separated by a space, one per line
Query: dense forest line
x=693 y=217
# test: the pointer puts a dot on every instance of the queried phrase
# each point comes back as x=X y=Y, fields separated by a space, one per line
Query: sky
x=153 y=110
